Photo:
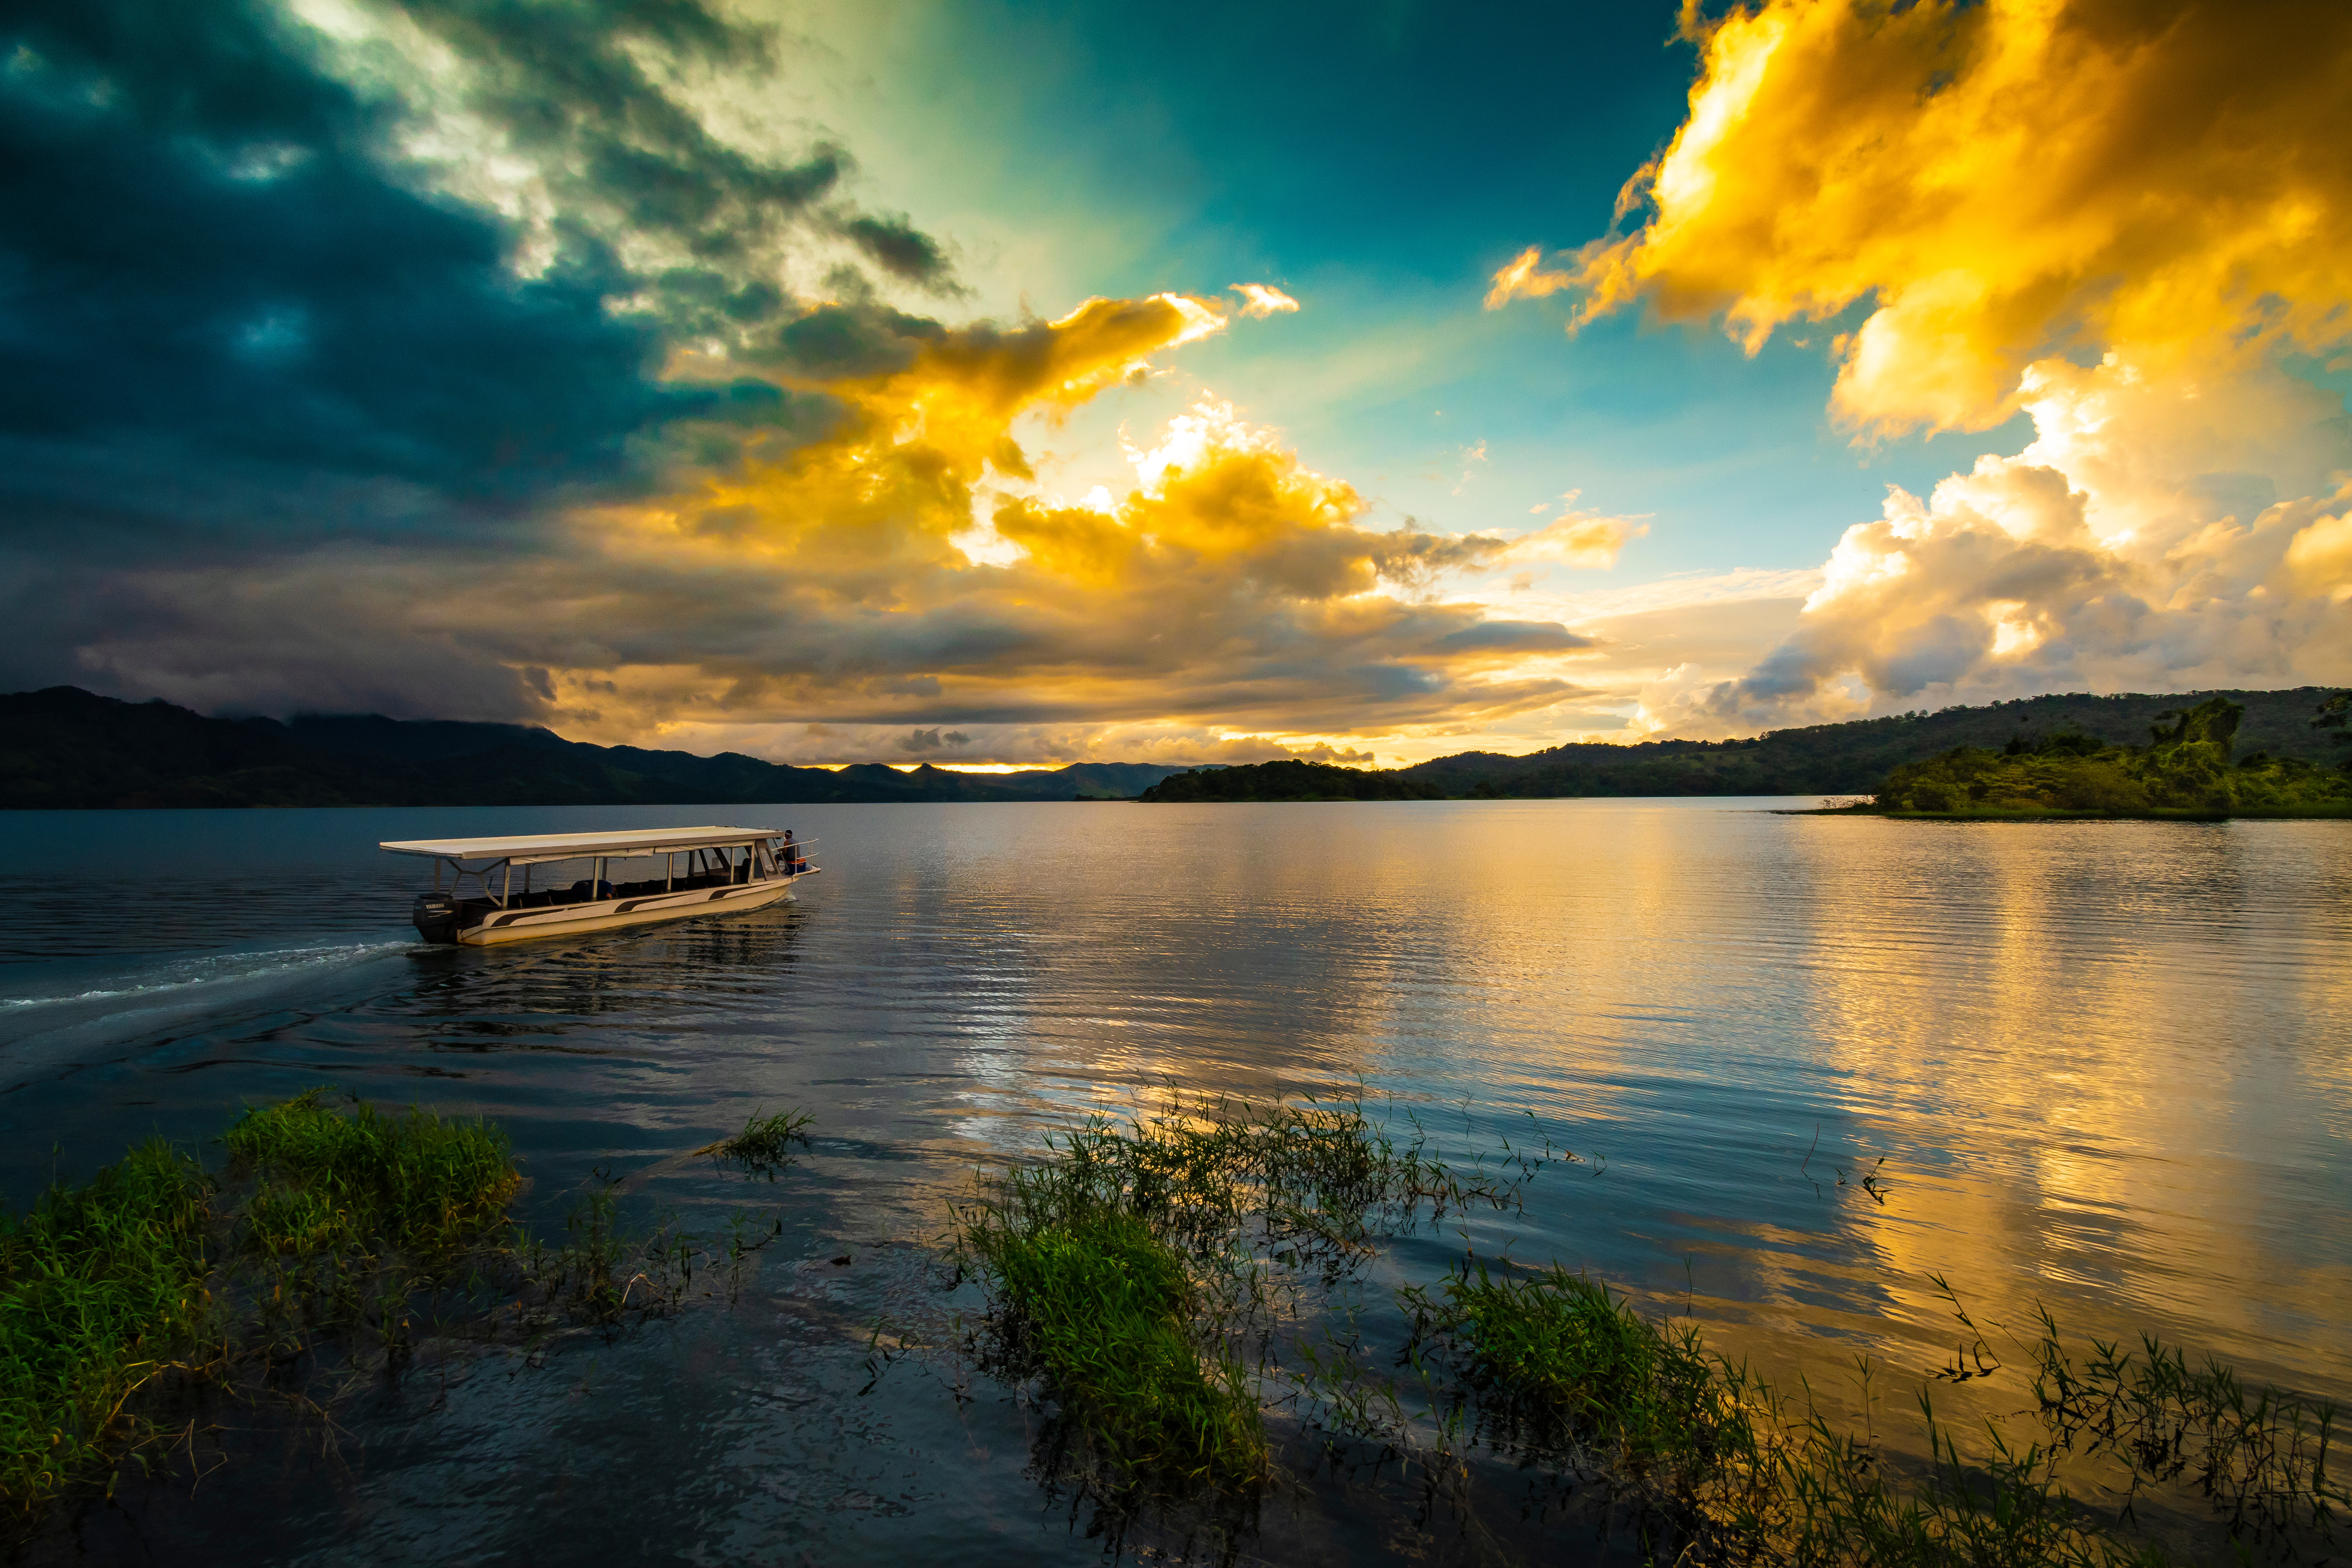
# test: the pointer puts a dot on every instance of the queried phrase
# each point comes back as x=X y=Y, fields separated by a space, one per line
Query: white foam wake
x=197 y=971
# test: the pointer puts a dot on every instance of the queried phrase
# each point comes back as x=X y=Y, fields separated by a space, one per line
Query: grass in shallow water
x=1136 y=1270
x=1557 y=1360
x=1103 y=1308
x=101 y=1287
x=764 y=1147
x=1705 y=1464
x=333 y=1178
x=336 y=1235
x=1169 y=1282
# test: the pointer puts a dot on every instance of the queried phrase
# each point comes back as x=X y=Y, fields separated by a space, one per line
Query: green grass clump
x=333 y=1179
x=1709 y=1465
x=104 y=1285
x=1558 y=1361
x=1136 y=1265
x=764 y=1147
x=1103 y=1308
x=100 y=1286
x=331 y=1223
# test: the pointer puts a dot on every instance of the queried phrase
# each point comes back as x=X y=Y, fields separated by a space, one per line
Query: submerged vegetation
x=1190 y=1296
x=1142 y=1273
x=2185 y=770
x=1706 y=1463
x=764 y=1147
x=333 y=1237
x=1186 y=1291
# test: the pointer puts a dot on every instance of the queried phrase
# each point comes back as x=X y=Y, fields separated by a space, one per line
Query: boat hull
x=610 y=914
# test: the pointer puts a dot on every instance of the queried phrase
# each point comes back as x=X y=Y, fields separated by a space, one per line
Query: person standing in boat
x=793 y=864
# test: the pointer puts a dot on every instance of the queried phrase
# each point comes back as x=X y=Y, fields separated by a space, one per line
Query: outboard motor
x=436 y=917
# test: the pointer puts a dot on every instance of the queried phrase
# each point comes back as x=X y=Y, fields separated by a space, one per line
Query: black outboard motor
x=436 y=917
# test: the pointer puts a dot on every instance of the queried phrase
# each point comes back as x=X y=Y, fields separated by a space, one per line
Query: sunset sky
x=1032 y=385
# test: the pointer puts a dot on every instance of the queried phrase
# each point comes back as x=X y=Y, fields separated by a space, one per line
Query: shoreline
x=2159 y=814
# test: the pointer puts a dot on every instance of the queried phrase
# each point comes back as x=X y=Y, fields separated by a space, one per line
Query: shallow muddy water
x=2107 y=1066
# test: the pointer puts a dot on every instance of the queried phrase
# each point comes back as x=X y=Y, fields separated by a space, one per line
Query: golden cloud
x=906 y=569
x=2002 y=192
x=1999 y=181
x=1581 y=539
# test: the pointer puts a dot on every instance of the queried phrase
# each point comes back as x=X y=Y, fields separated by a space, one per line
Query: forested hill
x=65 y=747
x=1825 y=759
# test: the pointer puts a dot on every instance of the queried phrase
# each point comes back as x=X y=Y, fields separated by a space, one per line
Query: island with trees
x=2185 y=769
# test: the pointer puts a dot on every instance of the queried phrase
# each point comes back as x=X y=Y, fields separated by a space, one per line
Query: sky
x=1005 y=386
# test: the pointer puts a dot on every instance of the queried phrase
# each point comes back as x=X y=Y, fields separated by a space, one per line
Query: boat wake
x=59 y=1011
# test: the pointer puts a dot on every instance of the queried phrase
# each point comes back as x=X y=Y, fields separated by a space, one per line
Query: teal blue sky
x=1378 y=164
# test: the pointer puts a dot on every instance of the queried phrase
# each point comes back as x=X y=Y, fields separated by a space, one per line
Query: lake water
x=2107 y=1067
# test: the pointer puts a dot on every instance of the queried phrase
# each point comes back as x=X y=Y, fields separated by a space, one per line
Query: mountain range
x=64 y=748
x=1823 y=759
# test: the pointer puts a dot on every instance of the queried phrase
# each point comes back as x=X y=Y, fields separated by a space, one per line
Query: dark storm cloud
x=854 y=340
x=198 y=244
x=900 y=249
x=570 y=85
x=204 y=247
x=236 y=316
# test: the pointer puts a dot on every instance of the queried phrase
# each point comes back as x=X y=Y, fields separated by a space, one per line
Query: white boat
x=685 y=871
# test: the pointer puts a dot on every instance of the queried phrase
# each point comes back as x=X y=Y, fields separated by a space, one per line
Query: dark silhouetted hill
x=1291 y=781
x=64 y=748
x=1825 y=759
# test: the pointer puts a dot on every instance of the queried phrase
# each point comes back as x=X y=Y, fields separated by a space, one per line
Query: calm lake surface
x=2107 y=1067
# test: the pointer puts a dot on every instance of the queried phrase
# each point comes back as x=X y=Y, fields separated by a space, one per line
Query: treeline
x=1292 y=780
x=64 y=749
x=2187 y=767
x=1852 y=758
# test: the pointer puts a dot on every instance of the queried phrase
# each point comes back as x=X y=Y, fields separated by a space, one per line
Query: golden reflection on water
x=2106 y=1064
x=2111 y=1043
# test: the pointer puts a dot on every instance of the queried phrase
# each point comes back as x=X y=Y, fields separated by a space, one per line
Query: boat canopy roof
x=541 y=847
